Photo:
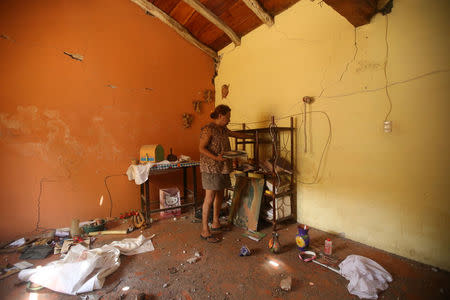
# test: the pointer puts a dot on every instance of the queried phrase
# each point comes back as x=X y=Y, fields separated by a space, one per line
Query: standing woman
x=215 y=170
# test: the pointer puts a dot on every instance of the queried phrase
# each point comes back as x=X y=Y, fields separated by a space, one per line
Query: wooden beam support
x=165 y=18
x=382 y=3
x=357 y=12
x=204 y=11
x=259 y=11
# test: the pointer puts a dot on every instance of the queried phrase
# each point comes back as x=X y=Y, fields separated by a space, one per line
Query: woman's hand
x=220 y=157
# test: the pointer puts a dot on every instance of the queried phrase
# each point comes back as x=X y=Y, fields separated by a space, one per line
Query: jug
x=302 y=238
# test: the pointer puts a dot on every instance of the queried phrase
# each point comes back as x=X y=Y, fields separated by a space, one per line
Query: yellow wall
x=387 y=190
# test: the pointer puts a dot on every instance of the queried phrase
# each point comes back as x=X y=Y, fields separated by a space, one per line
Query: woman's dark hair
x=221 y=109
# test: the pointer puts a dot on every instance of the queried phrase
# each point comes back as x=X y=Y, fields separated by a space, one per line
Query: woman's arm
x=202 y=147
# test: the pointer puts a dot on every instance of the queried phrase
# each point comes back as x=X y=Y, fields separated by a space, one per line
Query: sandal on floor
x=210 y=238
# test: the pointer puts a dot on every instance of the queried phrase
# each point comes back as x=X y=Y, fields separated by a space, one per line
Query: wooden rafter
x=259 y=11
x=201 y=9
x=382 y=3
x=165 y=18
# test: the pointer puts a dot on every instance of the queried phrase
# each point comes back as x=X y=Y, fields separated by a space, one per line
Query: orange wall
x=59 y=120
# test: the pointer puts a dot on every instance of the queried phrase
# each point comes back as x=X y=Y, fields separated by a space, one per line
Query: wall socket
x=387 y=126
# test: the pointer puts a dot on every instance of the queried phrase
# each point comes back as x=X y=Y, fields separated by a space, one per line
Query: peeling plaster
x=41 y=134
x=106 y=142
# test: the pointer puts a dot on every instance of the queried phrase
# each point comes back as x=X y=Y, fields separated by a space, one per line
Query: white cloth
x=139 y=173
x=366 y=276
x=83 y=270
x=17 y=243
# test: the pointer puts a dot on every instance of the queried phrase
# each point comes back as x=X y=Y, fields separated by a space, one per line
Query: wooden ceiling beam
x=204 y=11
x=168 y=20
x=382 y=3
x=259 y=12
x=357 y=12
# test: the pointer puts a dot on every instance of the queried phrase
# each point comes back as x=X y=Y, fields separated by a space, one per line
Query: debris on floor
x=37 y=252
x=244 y=251
x=193 y=260
x=365 y=275
x=165 y=273
x=254 y=235
x=8 y=269
x=17 y=243
x=286 y=283
x=89 y=268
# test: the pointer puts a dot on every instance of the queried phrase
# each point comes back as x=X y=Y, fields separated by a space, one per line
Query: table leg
x=194 y=187
x=142 y=197
x=147 y=202
x=185 y=184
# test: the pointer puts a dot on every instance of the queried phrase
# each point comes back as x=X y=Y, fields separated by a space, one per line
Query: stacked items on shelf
x=276 y=171
x=283 y=203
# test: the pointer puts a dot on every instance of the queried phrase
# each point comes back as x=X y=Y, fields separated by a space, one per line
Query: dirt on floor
x=220 y=273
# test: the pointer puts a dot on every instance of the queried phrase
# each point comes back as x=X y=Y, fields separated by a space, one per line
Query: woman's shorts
x=215 y=182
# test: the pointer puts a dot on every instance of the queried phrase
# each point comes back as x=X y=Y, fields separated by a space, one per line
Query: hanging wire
x=385 y=70
x=304 y=126
x=109 y=193
x=41 y=187
x=327 y=144
x=273 y=133
x=315 y=180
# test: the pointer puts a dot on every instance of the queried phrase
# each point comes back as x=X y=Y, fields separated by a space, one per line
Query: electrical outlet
x=308 y=99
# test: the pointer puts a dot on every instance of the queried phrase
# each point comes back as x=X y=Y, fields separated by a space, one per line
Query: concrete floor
x=222 y=274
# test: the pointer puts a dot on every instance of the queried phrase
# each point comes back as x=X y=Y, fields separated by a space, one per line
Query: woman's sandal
x=210 y=238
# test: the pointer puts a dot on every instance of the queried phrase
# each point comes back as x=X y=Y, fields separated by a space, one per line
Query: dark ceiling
x=241 y=19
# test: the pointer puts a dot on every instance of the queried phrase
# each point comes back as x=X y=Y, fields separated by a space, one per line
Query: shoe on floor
x=210 y=238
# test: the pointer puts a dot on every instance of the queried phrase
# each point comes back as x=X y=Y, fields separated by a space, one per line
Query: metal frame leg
x=194 y=187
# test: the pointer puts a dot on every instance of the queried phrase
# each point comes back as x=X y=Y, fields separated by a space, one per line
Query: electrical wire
x=109 y=193
x=385 y=70
x=315 y=180
x=41 y=187
x=273 y=135
x=304 y=127
x=38 y=228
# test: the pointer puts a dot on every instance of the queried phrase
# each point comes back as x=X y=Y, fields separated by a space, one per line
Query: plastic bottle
x=328 y=247
x=75 y=228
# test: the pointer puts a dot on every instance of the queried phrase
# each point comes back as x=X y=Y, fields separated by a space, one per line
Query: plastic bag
x=366 y=276
x=83 y=270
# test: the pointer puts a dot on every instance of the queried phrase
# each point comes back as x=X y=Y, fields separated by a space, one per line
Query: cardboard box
x=169 y=197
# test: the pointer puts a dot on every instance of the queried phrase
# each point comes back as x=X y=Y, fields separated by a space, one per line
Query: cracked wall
x=387 y=190
x=63 y=129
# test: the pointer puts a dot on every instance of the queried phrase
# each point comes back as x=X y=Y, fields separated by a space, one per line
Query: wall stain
x=42 y=134
x=106 y=147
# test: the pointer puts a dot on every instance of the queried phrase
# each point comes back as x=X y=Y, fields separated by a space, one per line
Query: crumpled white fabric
x=366 y=276
x=83 y=270
x=139 y=173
